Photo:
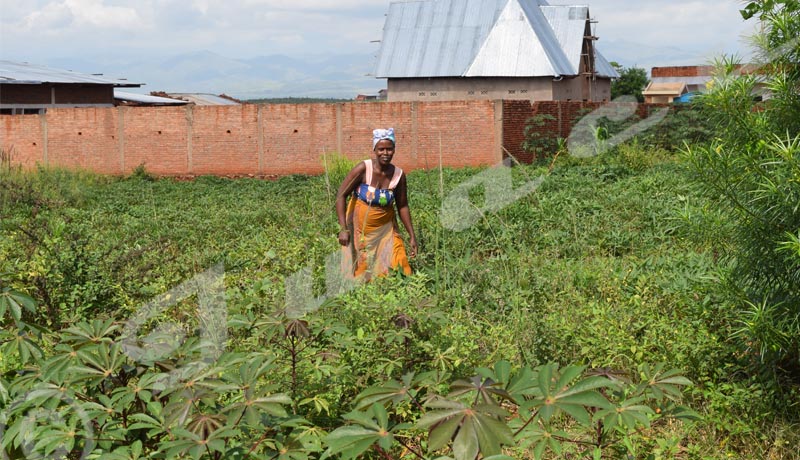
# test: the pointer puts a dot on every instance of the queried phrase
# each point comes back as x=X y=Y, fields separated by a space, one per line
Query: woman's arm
x=401 y=200
x=351 y=181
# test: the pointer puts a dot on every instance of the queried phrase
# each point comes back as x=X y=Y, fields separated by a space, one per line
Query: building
x=664 y=92
x=435 y=50
x=667 y=81
x=30 y=89
x=695 y=77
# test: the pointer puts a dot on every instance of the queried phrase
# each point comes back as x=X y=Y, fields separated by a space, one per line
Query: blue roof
x=483 y=38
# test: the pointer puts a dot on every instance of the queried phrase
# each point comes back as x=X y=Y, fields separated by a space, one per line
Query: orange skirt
x=375 y=244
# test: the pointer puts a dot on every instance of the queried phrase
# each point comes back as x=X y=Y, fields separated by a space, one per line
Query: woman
x=368 y=228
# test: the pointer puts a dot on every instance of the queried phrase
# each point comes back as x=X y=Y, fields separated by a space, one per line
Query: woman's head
x=382 y=134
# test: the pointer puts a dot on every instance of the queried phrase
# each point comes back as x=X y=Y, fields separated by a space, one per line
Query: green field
x=616 y=264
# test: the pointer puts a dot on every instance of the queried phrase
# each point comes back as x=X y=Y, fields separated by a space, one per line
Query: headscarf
x=381 y=134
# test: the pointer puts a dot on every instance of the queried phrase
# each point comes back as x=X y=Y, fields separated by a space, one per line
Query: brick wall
x=21 y=136
x=250 y=139
x=681 y=71
x=565 y=115
x=279 y=139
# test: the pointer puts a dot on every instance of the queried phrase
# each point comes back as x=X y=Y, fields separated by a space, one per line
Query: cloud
x=66 y=14
x=320 y=5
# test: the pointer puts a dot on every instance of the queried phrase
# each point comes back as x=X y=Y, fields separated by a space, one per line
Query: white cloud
x=66 y=14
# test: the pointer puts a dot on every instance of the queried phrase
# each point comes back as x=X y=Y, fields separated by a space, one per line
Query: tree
x=753 y=170
x=631 y=81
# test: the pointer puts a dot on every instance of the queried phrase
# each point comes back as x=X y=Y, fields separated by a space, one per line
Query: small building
x=695 y=77
x=435 y=50
x=664 y=93
x=30 y=89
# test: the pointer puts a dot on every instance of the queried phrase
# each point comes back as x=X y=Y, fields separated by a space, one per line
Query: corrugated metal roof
x=483 y=38
x=146 y=98
x=23 y=73
x=203 y=99
x=665 y=89
x=513 y=48
x=602 y=67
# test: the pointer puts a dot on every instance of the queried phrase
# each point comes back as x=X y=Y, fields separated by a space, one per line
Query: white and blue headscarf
x=381 y=134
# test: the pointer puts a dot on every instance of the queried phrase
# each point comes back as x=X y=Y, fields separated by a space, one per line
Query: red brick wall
x=273 y=139
x=295 y=137
x=565 y=114
x=83 y=139
x=681 y=71
x=155 y=137
x=21 y=136
x=280 y=139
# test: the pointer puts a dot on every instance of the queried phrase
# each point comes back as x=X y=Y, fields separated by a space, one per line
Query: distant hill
x=342 y=76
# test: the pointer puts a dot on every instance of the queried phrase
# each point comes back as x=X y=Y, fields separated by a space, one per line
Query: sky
x=641 y=33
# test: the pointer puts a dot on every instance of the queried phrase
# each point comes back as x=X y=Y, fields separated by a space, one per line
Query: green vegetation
x=610 y=268
x=752 y=171
x=638 y=304
x=631 y=82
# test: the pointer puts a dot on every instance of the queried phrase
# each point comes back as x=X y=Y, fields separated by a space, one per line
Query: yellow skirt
x=375 y=244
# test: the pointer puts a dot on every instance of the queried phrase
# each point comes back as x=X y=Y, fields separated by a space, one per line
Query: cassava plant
x=502 y=412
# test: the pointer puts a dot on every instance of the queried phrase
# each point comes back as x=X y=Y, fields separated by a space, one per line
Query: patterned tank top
x=377 y=196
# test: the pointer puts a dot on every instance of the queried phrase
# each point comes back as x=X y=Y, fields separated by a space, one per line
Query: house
x=434 y=50
x=30 y=89
x=664 y=92
x=697 y=79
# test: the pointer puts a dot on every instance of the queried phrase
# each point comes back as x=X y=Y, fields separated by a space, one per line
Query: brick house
x=30 y=89
x=434 y=50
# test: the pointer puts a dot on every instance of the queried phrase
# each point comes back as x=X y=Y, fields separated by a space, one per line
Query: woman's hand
x=412 y=244
x=344 y=237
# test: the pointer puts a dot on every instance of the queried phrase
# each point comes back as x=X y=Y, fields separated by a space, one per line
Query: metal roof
x=23 y=73
x=203 y=99
x=146 y=98
x=483 y=38
x=665 y=89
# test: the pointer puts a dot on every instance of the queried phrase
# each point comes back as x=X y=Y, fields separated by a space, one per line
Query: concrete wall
x=474 y=88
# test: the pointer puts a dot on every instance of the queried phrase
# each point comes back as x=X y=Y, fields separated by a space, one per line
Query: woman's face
x=384 y=151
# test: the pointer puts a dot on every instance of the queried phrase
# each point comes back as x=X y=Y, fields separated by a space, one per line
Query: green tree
x=753 y=169
x=631 y=81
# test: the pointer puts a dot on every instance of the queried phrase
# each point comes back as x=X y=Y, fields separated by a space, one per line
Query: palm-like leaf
x=472 y=430
x=563 y=390
x=368 y=428
x=15 y=302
